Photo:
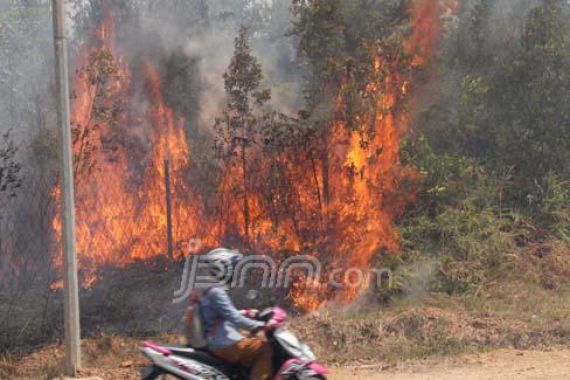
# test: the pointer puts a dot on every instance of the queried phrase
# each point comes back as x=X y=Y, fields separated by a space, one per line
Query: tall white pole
x=70 y=284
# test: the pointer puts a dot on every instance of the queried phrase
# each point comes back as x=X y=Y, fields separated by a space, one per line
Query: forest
x=425 y=138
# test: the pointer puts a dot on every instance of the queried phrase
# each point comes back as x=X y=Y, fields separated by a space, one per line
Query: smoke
x=190 y=42
x=26 y=78
x=202 y=33
x=476 y=36
x=212 y=63
x=505 y=22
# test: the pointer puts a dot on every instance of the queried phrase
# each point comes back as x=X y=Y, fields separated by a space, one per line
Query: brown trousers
x=254 y=353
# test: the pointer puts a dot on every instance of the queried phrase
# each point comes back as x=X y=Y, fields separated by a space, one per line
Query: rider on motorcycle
x=222 y=321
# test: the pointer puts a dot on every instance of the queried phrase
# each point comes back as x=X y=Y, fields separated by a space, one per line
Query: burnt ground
x=420 y=332
x=436 y=338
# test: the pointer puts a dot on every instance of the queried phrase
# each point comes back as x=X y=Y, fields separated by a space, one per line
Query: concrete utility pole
x=70 y=284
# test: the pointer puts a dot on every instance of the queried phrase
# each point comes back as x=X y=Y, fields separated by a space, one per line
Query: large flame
x=366 y=159
x=121 y=188
x=363 y=207
x=124 y=134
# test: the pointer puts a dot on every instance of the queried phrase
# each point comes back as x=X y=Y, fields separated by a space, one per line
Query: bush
x=549 y=207
x=459 y=221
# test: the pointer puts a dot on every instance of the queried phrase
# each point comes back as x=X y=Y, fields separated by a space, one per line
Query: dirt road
x=504 y=364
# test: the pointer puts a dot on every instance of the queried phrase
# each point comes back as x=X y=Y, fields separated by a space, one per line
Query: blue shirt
x=222 y=319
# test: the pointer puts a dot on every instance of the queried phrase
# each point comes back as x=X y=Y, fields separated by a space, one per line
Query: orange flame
x=121 y=215
x=368 y=162
x=120 y=186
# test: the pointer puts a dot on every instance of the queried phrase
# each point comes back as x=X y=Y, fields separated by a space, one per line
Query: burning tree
x=124 y=132
x=363 y=72
x=329 y=182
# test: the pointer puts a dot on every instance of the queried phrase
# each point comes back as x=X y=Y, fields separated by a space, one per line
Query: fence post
x=71 y=289
x=168 y=212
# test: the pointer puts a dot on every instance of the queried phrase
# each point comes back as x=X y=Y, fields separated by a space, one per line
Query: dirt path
x=504 y=364
x=499 y=365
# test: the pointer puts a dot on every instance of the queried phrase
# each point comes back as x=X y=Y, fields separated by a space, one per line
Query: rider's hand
x=250 y=313
x=271 y=325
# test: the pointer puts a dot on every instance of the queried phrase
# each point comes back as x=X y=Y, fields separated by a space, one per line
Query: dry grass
x=435 y=326
x=517 y=315
x=525 y=308
x=107 y=356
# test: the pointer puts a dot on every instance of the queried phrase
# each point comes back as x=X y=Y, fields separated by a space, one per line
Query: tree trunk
x=246 y=215
x=326 y=184
x=317 y=184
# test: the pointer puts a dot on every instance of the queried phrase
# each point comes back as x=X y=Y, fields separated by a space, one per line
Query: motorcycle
x=293 y=360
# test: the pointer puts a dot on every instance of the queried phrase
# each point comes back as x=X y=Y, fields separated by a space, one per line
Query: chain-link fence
x=122 y=231
x=27 y=252
x=133 y=296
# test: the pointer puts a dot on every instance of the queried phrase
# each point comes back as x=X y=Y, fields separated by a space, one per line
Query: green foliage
x=550 y=207
x=240 y=126
x=341 y=41
x=504 y=93
x=243 y=79
x=319 y=26
x=458 y=219
x=463 y=224
x=497 y=119
x=530 y=94
x=245 y=96
x=496 y=179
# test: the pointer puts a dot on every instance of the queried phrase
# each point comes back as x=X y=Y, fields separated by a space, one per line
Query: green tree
x=530 y=96
x=319 y=26
x=504 y=100
x=240 y=125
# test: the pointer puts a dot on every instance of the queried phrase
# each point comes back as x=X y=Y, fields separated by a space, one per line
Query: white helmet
x=221 y=263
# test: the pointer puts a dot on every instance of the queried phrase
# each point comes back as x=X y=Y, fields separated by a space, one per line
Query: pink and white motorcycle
x=293 y=360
